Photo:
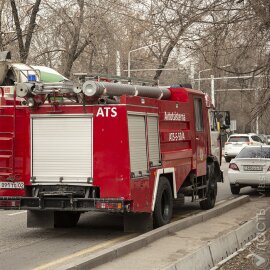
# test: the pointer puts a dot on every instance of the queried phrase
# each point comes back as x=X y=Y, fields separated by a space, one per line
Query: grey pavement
x=169 y=249
x=35 y=247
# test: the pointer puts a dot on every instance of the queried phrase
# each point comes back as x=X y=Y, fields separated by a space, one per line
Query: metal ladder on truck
x=7 y=138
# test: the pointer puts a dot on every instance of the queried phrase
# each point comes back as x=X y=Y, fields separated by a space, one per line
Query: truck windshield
x=239 y=139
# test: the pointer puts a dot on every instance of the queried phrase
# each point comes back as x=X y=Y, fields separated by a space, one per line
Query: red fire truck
x=104 y=146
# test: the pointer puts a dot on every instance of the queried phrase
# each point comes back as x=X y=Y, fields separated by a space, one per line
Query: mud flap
x=221 y=179
x=138 y=222
x=40 y=219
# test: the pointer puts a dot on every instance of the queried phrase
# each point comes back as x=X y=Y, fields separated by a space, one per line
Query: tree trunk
x=24 y=47
x=164 y=59
x=73 y=51
x=1 y=33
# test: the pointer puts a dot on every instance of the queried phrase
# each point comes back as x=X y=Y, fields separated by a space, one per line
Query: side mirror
x=227 y=119
x=223 y=118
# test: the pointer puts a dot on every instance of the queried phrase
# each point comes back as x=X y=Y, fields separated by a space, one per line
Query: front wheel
x=164 y=203
x=211 y=191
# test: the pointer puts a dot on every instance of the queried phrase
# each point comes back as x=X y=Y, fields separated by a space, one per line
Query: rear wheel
x=64 y=219
x=228 y=159
x=164 y=203
x=211 y=192
x=235 y=189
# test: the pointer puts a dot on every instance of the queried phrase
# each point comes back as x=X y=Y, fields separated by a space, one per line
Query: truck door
x=200 y=137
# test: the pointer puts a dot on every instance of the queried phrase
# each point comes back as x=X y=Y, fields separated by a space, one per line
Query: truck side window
x=198 y=114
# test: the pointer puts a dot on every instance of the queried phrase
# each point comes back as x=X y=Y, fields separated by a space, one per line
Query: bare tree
x=75 y=48
x=1 y=33
x=24 y=45
x=176 y=20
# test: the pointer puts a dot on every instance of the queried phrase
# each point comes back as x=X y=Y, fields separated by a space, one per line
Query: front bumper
x=64 y=204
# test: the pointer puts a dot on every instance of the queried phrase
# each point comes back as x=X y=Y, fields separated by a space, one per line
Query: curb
x=138 y=242
x=222 y=249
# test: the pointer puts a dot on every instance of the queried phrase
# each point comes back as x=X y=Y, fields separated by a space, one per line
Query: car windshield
x=239 y=139
x=255 y=152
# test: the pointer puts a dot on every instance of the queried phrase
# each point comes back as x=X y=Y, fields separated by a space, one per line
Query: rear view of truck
x=104 y=146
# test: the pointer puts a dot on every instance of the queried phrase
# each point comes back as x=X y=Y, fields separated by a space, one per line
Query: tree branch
x=30 y=31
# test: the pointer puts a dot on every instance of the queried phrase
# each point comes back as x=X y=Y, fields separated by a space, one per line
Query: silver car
x=251 y=167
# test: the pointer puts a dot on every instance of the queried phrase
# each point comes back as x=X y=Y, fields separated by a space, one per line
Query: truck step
x=202 y=187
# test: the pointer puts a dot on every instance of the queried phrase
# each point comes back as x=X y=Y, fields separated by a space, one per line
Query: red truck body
x=74 y=157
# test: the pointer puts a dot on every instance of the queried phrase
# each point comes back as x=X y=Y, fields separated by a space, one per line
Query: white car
x=251 y=167
x=237 y=142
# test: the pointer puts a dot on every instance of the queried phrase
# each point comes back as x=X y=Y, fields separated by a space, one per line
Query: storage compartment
x=62 y=148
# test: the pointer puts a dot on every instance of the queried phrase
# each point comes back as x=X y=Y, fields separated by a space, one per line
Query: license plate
x=253 y=168
x=238 y=144
x=11 y=185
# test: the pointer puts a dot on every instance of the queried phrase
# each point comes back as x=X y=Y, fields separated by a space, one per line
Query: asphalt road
x=22 y=248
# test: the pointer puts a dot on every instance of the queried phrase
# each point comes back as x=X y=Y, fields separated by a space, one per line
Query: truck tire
x=235 y=189
x=211 y=192
x=164 y=203
x=65 y=219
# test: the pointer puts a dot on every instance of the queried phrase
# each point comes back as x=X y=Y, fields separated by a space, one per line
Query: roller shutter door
x=62 y=149
x=153 y=140
x=137 y=145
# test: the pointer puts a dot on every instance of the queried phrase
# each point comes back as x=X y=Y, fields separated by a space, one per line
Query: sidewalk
x=168 y=250
x=245 y=261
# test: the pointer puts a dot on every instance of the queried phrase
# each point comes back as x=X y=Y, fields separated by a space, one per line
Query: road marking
x=17 y=213
x=84 y=252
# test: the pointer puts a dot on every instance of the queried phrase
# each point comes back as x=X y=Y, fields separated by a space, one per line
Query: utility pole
x=129 y=54
x=208 y=69
x=192 y=74
x=257 y=116
x=213 y=89
x=212 y=79
x=118 y=64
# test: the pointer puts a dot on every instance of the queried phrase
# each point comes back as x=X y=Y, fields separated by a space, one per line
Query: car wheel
x=211 y=192
x=235 y=189
x=228 y=159
x=164 y=203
